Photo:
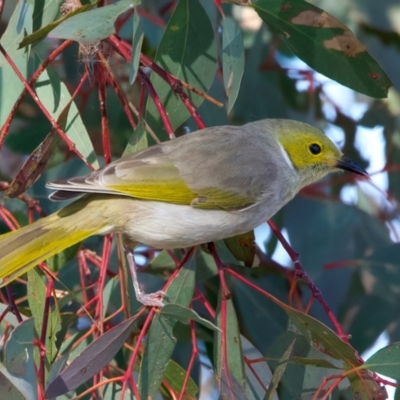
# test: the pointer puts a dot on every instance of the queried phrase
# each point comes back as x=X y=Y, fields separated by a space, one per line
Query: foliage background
x=346 y=232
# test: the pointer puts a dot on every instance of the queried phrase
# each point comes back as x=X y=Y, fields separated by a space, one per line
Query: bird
x=204 y=186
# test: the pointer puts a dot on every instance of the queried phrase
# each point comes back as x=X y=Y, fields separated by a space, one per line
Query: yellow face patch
x=308 y=149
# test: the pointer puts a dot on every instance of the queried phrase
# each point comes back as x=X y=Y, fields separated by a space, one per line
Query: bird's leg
x=150 y=299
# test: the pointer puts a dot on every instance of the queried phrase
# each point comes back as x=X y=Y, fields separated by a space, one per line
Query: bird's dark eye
x=315 y=148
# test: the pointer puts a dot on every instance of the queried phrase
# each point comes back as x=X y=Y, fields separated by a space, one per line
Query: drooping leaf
x=39 y=35
x=279 y=371
x=137 y=40
x=56 y=262
x=228 y=355
x=92 y=359
x=58 y=107
x=101 y=25
x=160 y=341
x=10 y=85
x=232 y=59
x=45 y=13
x=175 y=376
x=19 y=24
x=386 y=361
x=33 y=166
x=185 y=315
x=187 y=51
x=258 y=372
x=325 y=44
x=18 y=366
x=243 y=247
x=138 y=140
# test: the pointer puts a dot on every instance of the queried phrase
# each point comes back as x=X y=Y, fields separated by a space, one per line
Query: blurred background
x=346 y=231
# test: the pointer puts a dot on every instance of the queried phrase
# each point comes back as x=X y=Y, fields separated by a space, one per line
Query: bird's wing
x=181 y=171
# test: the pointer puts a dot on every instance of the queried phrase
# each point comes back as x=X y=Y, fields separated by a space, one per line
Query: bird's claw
x=152 y=299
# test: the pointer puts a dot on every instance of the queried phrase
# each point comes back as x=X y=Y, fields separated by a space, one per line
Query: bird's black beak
x=349 y=165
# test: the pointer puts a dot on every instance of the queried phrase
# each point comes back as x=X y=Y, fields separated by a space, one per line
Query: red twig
x=301 y=274
x=102 y=278
x=195 y=352
x=43 y=334
x=53 y=122
x=11 y=302
x=8 y=218
x=55 y=53
x=104 y=124
x=205 y=302
x=145 y=80
x=128 y=373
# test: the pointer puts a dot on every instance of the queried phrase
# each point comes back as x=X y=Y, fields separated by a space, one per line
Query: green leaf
x=17 y=26
x=137 y=141
x=228 y=355
x=386 y=361
x=185 y=315
x=19 y=366
x=36 y=299
x=75 y=129
x=315 y=362
x=56 y=262
x=45 y=12
x=175 y=376
x=101 y=25
x=279 y=371
x=258 y=373
x=161 y=341
x=321 y=337
x=38 y=36
x=10 y=85
x=243 y=247
x=57 y=367
x=187 y=51
x=387 y=37
x=137 y=41
x=92 y=359
x=232 y=59
x=8 y=387
x=10 y=317
x=336 y=52
x=36 y=292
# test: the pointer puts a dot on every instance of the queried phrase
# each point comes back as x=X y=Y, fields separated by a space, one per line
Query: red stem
x=122 y=99
x=104 y=124
x=102 y=278
x=176 y=86
x=300 y=273
x=195 y=352
x=53 y=122
x=145 y=80
x=55 y=53
x=128 y=373
x=43 y=334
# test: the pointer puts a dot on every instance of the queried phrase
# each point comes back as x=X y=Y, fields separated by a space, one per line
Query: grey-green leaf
x=187 y=51
x=185 y=315
x=137 y=40
x=232 y=59
x=161 y=341
x=19 y=366
x=325 y=44
x=101 y=24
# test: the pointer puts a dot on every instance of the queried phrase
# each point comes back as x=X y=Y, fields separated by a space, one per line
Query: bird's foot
x=151 y=299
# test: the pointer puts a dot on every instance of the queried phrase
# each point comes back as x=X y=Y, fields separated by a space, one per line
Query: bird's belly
x=163 y=225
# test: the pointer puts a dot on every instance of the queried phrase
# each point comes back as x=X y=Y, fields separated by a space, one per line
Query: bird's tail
x=24 y=248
